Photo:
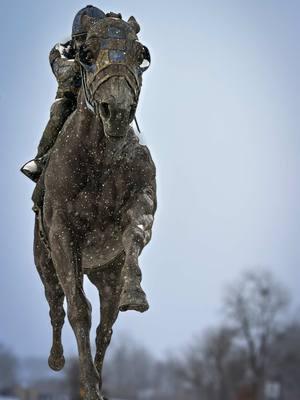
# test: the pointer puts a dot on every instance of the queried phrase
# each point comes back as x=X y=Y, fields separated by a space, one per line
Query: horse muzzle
x=115 y=119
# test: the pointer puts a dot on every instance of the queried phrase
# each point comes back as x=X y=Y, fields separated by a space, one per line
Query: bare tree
x=128 y=372
x=73 y=378
x=228 y=362
x=218 y=354
x=206 y=364
x=255 y=306
x=8 y=369
x=284 y=362
x=171 y=380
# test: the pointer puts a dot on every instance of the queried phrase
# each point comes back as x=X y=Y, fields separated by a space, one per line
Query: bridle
x=89 y=102
x=102 y=75
x=88 y=95
x=95 y=75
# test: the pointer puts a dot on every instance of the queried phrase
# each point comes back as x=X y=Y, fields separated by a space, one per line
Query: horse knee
x=55 y=298
x=132 y=236
x=58 y=232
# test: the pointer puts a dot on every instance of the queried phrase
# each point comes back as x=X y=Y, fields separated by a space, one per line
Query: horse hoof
x=133 y=300
x=56 y=362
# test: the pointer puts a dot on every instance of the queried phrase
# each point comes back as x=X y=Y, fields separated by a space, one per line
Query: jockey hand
x=68 y=50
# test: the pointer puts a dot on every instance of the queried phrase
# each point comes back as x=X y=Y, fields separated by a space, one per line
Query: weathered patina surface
x=100 y=199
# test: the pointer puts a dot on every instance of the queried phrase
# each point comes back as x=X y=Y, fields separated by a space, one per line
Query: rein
x=89 y=102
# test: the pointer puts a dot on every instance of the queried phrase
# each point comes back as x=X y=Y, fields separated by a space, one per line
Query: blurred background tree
x=255 y=307
x=8 y=370
x=254 y=351
x=72 y=378
x=129 y=370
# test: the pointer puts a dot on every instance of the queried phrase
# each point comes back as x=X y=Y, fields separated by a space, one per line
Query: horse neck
x=91 y=132
x=90 y=127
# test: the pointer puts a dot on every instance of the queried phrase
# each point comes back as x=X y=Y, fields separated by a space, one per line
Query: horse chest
x=106 y=190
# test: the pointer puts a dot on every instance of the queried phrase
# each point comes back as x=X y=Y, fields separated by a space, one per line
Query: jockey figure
x=66 y=70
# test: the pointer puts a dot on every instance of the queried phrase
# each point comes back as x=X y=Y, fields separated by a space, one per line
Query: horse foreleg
x=135 y=237
x=108 y=283
x=55 y=297
x=68 y=268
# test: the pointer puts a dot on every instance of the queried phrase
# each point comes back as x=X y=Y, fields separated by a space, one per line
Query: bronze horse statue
x=99 y=201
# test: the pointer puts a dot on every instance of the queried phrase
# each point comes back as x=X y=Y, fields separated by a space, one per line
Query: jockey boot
x=33 y=169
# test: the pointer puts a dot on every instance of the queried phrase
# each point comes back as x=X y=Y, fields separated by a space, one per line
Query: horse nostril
x=104 y=109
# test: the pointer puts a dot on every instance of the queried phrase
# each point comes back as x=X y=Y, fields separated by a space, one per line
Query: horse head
x=113 y=61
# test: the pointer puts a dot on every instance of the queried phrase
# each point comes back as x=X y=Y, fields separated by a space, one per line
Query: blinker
x=117 y=56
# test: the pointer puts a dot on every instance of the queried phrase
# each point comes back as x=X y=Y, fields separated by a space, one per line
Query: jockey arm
x=61 y=59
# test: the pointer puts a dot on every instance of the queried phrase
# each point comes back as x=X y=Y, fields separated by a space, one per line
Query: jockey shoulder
x=65 y=69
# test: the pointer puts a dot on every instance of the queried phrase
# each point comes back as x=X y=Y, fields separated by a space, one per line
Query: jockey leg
x=59 y=113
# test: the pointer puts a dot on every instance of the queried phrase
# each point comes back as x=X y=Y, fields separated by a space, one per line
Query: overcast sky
x=220 y=113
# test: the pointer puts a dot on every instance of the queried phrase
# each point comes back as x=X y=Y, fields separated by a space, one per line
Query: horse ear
x=134 y=24
x=112 y=14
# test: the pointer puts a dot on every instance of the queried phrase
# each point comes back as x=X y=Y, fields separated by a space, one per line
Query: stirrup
x=32 y=169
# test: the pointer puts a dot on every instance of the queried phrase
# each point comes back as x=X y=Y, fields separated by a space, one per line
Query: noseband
x=120 y=54
x=103 y=75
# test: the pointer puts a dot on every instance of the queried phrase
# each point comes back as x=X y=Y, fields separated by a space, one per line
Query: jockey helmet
x=78 y=27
